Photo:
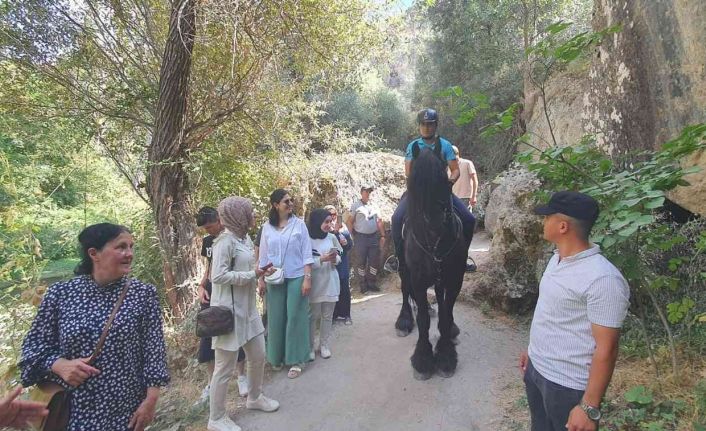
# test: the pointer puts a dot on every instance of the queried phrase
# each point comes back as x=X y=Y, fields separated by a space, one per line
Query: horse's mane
x=428 y=187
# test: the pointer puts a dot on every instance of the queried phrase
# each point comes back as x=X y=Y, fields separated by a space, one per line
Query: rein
x=433 y=252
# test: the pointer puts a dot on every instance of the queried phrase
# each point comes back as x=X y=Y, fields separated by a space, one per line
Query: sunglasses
x=287 y=201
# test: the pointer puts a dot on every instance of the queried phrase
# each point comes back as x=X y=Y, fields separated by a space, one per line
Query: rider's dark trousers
x=467 y=219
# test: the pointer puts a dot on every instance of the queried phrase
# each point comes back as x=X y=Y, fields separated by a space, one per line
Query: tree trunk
x=168 y=182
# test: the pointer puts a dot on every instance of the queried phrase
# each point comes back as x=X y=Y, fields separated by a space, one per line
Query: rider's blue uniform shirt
x=447 y=152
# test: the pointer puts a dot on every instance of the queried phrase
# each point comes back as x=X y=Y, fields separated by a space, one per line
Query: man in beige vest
x=466 y=188
x=368 y=239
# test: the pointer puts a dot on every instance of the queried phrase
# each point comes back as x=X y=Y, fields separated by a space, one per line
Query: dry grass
x=513 y=404
x=641 y=372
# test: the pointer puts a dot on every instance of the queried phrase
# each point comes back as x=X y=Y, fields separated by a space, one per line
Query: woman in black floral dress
x=119 y=391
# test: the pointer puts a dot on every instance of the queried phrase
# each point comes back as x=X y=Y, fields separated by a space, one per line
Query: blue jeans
x=549 y=402
x=467 y=219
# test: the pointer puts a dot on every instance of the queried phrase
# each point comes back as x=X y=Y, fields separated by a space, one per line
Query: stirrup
x=392 y=264
x=471 y=267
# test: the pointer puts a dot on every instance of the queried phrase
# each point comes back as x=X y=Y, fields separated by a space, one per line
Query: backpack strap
x=437 y=147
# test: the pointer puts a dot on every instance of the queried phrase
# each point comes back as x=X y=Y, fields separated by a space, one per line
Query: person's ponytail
x=95 y=236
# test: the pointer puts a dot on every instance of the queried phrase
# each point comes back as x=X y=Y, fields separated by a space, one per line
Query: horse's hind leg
x=423 y=356
x=405 y=321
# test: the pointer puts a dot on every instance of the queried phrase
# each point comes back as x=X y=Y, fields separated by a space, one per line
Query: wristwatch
x=593 y=413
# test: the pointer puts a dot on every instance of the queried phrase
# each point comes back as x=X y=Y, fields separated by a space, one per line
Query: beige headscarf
x=236 y=214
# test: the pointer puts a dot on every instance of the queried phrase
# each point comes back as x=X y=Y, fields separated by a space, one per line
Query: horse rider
x=428 y=120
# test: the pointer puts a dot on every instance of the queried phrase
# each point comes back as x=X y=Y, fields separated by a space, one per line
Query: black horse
x=435 y=253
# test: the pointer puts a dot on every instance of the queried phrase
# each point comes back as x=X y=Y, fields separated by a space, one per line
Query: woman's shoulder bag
x=217 y=319
x=277 y=277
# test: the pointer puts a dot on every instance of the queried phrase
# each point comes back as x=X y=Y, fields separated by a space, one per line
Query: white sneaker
x=223 y=424
x=205 y=394
x=262 y=403
x=243 y=385
x=312 y=355
x=325 y=352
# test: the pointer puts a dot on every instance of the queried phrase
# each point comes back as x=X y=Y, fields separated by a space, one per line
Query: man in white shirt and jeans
x=583 y=300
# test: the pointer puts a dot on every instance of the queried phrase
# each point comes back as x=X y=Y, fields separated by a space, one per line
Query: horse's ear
x=415 y=150
x=437 y=147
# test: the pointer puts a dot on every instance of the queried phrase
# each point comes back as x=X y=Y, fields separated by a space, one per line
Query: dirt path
x=368 y=385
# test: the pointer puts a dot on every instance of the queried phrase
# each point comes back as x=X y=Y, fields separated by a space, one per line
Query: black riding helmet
x=427 y=115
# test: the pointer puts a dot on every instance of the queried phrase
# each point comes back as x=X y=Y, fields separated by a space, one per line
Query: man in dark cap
x=583 y=300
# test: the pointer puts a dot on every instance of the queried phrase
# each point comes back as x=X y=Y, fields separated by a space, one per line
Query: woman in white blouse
x=234 y=276
x=285 y=244
x=325 y=284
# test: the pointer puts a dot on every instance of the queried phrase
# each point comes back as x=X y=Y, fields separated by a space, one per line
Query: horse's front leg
x=447 y=299
x=405 y=321
x=423 y=356
x=446 y=357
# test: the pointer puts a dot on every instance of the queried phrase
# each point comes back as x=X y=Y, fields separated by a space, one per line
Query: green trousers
x=287 y=323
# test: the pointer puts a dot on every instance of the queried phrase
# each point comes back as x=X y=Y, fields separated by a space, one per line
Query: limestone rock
x=336 y=180
x=565 y=101
x=649 y=80
x=510 y=278
x=644 y=85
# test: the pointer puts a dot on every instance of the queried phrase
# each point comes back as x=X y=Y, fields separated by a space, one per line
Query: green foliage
x=552 y=51
x=468 y=67
x=677 y=311
x=643 y=412
x=700 y=404
x=376 y=110
x=639 y=395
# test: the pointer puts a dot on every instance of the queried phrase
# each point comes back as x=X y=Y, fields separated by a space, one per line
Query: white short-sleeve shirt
x=574 y=293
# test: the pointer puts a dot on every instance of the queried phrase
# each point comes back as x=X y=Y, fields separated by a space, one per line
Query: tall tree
x=167 y=181
x=155 y=89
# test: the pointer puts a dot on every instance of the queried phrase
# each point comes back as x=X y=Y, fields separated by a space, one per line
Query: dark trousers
x=366 y=258
x=467 y=219
x=549 y=403
x=343 y=306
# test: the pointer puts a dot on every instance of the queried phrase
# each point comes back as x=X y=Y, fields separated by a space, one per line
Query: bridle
x=436 y=255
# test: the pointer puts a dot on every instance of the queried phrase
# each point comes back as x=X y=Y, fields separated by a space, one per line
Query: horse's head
x=428 y=184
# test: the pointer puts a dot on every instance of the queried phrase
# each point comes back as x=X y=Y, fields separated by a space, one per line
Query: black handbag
x=217 y=319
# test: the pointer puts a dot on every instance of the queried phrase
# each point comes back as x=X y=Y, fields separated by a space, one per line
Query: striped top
x=580 y=290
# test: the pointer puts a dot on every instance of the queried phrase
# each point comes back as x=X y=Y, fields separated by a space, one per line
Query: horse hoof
x=402 y=333
x=421 y=376
x=446 y=374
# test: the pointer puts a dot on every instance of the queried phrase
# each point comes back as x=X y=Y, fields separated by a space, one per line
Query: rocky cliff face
x=639 y=89
x=649 y=80
x=643 y=86
x=336 y=180
x=565 y=103
x=509 y=279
